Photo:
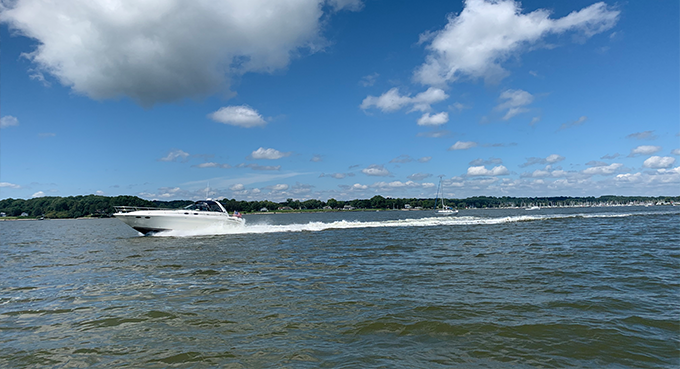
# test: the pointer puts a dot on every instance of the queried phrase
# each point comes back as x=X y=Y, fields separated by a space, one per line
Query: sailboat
x=444 y=210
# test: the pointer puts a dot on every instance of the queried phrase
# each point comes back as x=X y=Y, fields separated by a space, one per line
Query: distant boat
x=533 y=208
x=444 y=210
x=204 y=214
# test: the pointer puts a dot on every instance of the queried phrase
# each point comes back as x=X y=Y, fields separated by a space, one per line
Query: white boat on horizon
x=201 y=215
x=533 y=208
x=445 y=210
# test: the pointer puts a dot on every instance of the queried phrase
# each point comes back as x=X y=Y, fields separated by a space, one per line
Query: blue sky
x=344 y=99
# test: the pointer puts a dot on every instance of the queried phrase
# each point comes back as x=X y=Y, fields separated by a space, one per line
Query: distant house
x=407 y=206
x=285 y=208
x=327 y=208
x=24 y=214
x=264 y=210
x=348 y=207
x=3 y=214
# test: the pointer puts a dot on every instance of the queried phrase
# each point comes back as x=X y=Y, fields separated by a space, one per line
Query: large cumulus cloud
x=155 y=51
x=475 y=42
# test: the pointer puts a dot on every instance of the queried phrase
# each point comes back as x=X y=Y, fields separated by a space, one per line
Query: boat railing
x=129 y=209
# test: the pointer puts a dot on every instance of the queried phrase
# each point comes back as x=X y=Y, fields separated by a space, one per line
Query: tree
x=333 y=203
x=378 y=202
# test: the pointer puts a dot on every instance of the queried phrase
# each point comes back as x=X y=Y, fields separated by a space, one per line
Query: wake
x=263 y=228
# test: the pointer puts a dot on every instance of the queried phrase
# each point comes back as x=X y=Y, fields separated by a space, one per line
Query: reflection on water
x=487 y=288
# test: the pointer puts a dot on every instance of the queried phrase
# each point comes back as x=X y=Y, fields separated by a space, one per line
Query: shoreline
x=315 y=211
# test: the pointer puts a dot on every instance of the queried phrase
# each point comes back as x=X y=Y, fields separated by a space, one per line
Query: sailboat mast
x=437 y=195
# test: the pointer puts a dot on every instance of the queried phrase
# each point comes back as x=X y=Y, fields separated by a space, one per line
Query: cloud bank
x=155 y=51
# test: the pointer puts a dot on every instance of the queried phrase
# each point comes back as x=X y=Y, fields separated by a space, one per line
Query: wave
x=262 y=228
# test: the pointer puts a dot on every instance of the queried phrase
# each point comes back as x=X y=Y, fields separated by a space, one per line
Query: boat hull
x=152 y=221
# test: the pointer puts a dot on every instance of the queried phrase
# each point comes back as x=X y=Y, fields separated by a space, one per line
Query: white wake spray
x=262 y=228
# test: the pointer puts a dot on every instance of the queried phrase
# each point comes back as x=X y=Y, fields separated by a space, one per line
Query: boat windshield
x=205 y=206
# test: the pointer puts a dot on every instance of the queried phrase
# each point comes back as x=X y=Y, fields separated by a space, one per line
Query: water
x=593 y=287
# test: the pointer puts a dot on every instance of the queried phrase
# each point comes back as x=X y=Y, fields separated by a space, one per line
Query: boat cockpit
x=206 y=205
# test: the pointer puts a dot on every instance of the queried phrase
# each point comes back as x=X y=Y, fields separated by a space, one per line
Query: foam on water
x=262 y=228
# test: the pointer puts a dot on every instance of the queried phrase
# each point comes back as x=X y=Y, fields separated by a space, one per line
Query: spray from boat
x=436 y=221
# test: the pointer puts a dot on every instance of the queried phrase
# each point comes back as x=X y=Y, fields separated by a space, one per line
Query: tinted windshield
x=205 y=206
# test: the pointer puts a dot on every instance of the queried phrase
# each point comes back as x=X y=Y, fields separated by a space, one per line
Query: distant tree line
x=102 y=206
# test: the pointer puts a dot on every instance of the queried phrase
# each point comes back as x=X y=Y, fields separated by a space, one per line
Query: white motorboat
x=444 y=210
x=201 y=215
x=533 y=208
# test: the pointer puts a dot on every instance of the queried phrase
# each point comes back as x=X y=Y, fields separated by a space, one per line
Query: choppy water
x=593 y=287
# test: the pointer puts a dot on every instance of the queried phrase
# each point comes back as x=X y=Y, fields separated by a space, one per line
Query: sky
x=344 y=99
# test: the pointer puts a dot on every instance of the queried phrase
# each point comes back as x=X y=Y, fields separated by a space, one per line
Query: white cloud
x=170 y=192
x=316 y=158
x=419 y=176
x=161 y=51
x=369 y=80
x=475 y=42
x=38 y=194
x=434 y=134
x=575 y=123
x=387 y=102
x=254 y=166
x=463 y=145
x=602 y=170
x=174 y=155
x=351 y=5
x=534 y=121
x=269 y=154
x=551 y=159
x=554 y=158
x=392 y=101
x=301 y=189
x=423 y=100
x=659 y=162
x=675 y=152
x=407 y=159
x=482 y=171
x=433 y=120
x=595 y=163
x=99 y=193
x=376 y=170
x=458 y=106
x=241 y=116
x=491 y=161
x=549 y=172
x=396 y=184
x=337 y=175
x=645 y=150
x=675 y=171
x=646 y=135
x=359 y=187
x=664 y=179
x=212 y=165
x=628 y=177
x=9 y=185
x=8 y=121
x=402 y=159
x=279 y=187
x=515 y=100
x=237 y=187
